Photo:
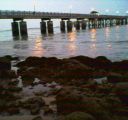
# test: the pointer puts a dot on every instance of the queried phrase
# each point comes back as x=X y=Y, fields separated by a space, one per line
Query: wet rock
x=121 y=90
x=122 y=112
x=14 y=89
x=47 y=110
x=79 y=116
x=112 y=103
x=52 y=62
x=38 y=102
x=13 y=110
x=71 y=101
x=116 y=78
x=11 y=58
x=3 y=105
x=121 y=66
x=99 y=73
x=84 y=60
x=73 y=69
x=102 y=62
x=29 y=62
x=35 y=109
x=8 y=74
x=104 y=89
x=38 y=118
x=5 y=64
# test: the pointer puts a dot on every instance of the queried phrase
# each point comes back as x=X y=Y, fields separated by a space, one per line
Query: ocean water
x=111 y=42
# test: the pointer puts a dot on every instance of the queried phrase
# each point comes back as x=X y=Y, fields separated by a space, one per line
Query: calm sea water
x=111 y=42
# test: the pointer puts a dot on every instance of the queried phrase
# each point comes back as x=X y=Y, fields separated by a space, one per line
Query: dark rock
x=102 y=62
x=68 y=102
x=29 y=62
x=36 y=102
x=121 y=90
x=79 y=116
x=35 y=109
x=5 y=64
x=52 y=62
x=84 y=59
x=11 y=58
x=13 y=110
x=47 y=110
x=116 y=78
x=73 y=69
x=37 y=118
x=120 y=66
x=122 y=112
x=3 y=105
x=14 y=89
x=8 y=74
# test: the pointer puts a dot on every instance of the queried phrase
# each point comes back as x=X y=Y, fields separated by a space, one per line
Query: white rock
x=101 y=80
x=36 y=80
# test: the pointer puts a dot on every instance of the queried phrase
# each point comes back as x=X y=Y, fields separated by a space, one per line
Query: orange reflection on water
x=93 y=34
x=38 y=48
x=72 y=47
x=72 y=36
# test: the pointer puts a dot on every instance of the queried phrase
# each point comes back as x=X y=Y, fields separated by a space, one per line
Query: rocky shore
x=77 y=88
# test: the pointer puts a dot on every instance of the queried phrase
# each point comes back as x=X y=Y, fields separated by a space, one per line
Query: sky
x=75 y=6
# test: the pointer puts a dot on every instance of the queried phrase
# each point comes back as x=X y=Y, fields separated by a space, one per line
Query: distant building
x=94 y=13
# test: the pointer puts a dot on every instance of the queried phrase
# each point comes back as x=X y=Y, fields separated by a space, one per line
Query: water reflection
x=89 y=43
x=107 y=37
x=93 y=46
x=109 y=46
x=16 y=38
x=72 y=47
x=72 y=36
x=38 y=47
x=117 y=33
x=93 y=34
x=21 y=46
x=107 y=33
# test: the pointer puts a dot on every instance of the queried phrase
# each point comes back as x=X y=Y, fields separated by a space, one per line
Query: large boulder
x=100 y=62
x=29 y=62
x=52 y=69
x=50 y=62
x=73 y=69
x=84 y=60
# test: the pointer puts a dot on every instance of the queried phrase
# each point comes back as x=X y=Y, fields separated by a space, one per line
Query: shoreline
x=54 y=87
